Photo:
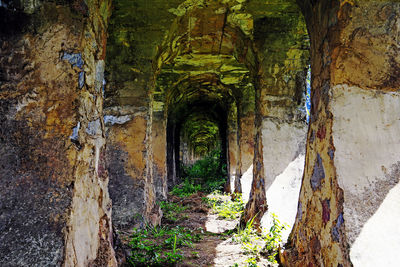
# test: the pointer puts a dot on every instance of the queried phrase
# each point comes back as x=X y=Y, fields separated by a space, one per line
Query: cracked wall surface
x=56 y=210
x=347 y=158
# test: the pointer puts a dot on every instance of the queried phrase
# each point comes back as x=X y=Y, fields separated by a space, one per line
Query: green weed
x=185 y=189
x=159 y=246
x=224 y=206
x=251 y=240
x=273 y=238
x=246 y=234
x=251 y=262
x=195 y=254
x=172 y=211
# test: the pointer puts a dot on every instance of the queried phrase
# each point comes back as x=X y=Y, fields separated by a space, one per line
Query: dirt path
x=216 y=247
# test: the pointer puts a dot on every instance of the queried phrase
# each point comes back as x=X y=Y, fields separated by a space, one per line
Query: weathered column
x=233 y=148
x=257 y=204
x=280 y=83
x=346 y=213
x=283 y=124
x=54 y=202
x=246 y=133
x=159 y=138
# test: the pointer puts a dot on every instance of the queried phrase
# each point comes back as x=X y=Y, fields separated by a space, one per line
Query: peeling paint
x=111 y=120
x=81 y=80
x=299 y=211
x=99 y=76
x=75 y=59
x=335 y=229
x=94 y=127
x=318 y=173
x=312 y=136
x=75 y=132
x=331 y=153
x=326 y=210
x=321 y=132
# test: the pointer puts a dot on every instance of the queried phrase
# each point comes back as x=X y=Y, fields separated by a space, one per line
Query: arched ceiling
x=201 y=131
x=185 y=41
x=202 y=123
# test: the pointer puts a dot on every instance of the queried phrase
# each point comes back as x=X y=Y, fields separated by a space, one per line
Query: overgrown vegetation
x=207 y=175
x=273 y=238
x=167 y=245
x=224 y=205
x=185 y=189
x=172 y=212
x=265 y=244
x=159 y=246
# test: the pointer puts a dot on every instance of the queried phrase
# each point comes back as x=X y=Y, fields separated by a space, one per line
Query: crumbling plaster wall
x=56 y=209
x=352 y=148
x=281 y=49
x=136 y=30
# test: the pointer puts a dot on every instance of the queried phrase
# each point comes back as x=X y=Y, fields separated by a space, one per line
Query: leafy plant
x=185 y=237
x=224 y=206
x=251 y=262
x=144 y=250
x=246 y=234
x=159 y=246
x=273 y=238
x=185 y=189
x=249 y=238
x=172 y=211
x=251 y=248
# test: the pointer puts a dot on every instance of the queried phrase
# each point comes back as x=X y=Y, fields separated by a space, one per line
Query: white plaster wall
x=379 y=241
x=283 y=196
x=282 y=143
x=366 y=135
x=246 y=180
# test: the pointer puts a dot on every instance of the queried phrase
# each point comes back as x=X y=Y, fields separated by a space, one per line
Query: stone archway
x=55 y=164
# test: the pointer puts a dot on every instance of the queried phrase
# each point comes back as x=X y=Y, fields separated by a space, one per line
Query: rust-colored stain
x=131 y=137
x=321 y=132
x=326 y=210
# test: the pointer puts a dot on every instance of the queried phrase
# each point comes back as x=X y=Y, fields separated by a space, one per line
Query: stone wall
x=242 y=62
x=351 y=162
x=282 y=54
x=55 y=207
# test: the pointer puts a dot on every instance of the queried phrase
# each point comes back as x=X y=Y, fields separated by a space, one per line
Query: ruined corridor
x=107 y=107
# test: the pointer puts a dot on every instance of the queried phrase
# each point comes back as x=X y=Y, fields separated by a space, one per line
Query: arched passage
x=55 y=126
x=256 y=56
x=201 y=126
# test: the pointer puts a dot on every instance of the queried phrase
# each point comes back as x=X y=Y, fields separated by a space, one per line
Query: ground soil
x=216 y=248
